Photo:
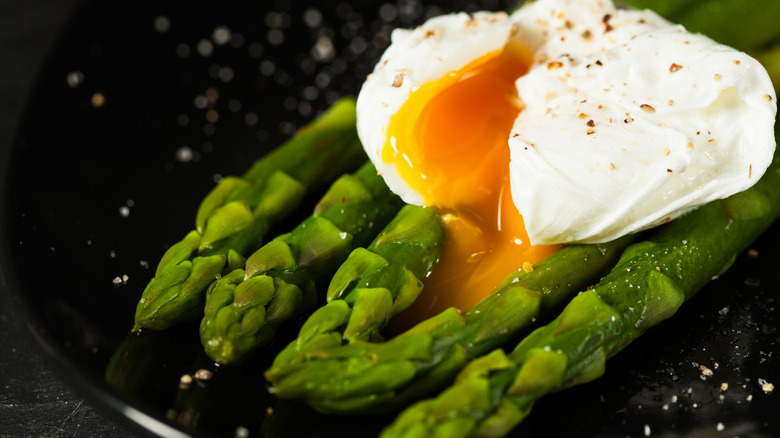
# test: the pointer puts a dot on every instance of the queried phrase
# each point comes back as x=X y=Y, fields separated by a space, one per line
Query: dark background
x=34 y=401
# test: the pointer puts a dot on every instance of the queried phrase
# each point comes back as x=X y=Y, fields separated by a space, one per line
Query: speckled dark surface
x=34 y=400
x=137 y=111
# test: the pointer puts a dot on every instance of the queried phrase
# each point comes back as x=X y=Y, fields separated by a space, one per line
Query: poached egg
x=567 y=121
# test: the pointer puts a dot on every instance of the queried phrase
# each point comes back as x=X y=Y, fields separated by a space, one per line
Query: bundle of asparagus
x=354 y=377
x=371 y=286
x=236 y=215
x=340 y=361
x=279 y=281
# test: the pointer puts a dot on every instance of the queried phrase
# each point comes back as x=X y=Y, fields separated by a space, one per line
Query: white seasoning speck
x=205 y=48
x=720 y=427
x=313 y=18
x=74 y=78
x=162 y=24
x=242 y=432
x=201 y=102
x=184 y=154
x=124 y=211
x=647 y=430
x=221 y=35
x=323 y=49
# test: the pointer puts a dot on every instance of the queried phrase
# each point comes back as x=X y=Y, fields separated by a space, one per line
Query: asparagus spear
x=648 y=285
x=374 y=284
x=244 y=308
x=238 y=212
x=353 y=377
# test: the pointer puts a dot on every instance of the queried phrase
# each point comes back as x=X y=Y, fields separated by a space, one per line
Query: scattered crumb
x=203 y=375
x=724 y=386
x=98 y=100
x=752 y=253
x=527 y=267
x=185 y=381
x=767 y=387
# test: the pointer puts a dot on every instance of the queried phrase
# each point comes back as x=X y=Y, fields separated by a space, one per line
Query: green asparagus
x=432 y=352
x=650 y=282
x=717 y=19
x=279 y=281
x=374 y=284
x=238 y=212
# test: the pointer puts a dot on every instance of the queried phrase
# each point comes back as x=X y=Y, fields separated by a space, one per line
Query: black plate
x=142 y=105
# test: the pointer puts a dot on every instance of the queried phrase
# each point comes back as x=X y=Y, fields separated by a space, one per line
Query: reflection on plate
x=142 y=106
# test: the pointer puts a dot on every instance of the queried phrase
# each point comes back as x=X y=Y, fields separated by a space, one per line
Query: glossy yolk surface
x=449 y=142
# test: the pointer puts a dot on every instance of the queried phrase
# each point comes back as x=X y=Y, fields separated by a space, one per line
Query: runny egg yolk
x=449 y=143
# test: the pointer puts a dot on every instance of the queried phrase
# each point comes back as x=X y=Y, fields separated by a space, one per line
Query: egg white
x=672 y=120
x=415 y=57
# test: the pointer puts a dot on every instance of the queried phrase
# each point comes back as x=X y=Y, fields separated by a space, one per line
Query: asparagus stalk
x=353 y=377
x=279 y=281
x=651 y=281
x=374 y=284
x=234 y=217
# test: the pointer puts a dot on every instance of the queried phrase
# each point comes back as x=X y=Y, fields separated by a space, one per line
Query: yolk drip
x=449 y=143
